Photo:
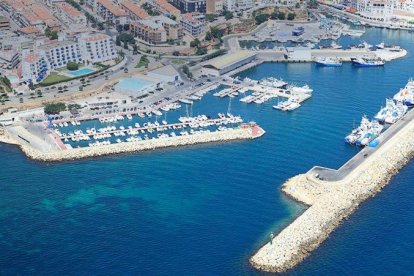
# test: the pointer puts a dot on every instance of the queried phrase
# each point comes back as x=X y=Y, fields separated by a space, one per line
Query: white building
x=37 y=63
x=377 y=10
x=193 y=23
x=34 y=66
x=70 y=15
x=238 y=5
x=96 y=48
x=59 y=53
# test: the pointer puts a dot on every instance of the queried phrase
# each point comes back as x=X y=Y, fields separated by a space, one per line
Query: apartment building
x=110 y=12
x=165 y=8
x=156 y=30
x=46 y=56
x=186 y=6
x=70 y=15
x=134 y=11
x=214 y=6
x=96 y=48
x=193 y=23
x=378 y=10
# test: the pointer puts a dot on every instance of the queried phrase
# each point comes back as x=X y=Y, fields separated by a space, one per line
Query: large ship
x=328 y=62
x=367 y=62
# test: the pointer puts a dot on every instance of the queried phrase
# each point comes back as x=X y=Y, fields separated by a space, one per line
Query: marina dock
x=334 y=194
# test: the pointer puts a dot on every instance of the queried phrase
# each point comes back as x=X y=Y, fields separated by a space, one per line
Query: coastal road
x=336 y=175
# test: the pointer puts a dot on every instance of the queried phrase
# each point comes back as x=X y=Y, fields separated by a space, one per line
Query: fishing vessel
x=365 y=133
x=328 y=62
x=392 y=112
x=367 y=62
x=406 y=94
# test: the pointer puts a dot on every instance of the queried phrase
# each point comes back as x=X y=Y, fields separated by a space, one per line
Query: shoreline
x=330 y=202
x=241 y=133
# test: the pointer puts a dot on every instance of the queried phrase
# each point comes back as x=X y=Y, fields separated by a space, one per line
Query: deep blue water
x=204 y=210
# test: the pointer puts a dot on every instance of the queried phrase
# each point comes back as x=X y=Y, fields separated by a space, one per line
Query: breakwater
x=332 y=201
x=245 y=131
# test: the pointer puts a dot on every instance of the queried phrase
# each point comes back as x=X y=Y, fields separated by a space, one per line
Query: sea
x=205 y=209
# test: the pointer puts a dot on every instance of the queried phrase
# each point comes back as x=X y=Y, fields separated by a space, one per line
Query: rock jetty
x=332 y=202
x=243 y=132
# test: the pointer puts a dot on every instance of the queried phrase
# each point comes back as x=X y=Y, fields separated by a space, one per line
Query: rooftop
x=68 y=9
x=112 y=8
x=135 y=9
x=229 y=59
x=163 y=4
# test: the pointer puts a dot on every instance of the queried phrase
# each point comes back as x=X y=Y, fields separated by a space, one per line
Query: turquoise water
x=81 y=72
x=203 y=210
x=132 y=84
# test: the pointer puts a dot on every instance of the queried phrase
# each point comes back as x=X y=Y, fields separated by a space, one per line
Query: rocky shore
x=331 y=202
x=250 y=132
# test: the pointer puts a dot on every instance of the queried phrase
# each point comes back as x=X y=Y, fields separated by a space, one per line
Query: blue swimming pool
x=132 y=84
x=81 y=72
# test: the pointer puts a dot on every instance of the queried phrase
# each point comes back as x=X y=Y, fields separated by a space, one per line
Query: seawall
x=331 y=202
x=241 y=133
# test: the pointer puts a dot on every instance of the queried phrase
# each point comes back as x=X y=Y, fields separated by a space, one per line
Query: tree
x=176 y=53
x=73 y=106
x=120 y=28
x=195 y=43
x=173 y=17
x=281 y=16
x=81 y=88
x=210 y=17
x=228 y=15
x=101 y=26
x=72 y=66
x=126 y=27
x=216 y=32
x=118 y=41
x=297 y=6
x=291 y=16
x=208 y=36
x=274 y=15
x=186 y=71
x=54 y=108
x=261 y=18
x=135 y=50
x=125 y=45
x=201 y=51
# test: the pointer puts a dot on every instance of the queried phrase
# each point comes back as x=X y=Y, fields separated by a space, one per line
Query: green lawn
x=143 y=62
x=54 y=78
x=178 y=61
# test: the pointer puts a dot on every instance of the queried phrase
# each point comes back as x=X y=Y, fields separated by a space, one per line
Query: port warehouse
x=226 y=63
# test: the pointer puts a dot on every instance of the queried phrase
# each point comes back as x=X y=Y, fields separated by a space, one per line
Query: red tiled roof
x=135 y=9
x=112 y=8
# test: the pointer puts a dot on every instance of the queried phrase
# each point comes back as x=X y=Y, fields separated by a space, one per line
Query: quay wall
x=332 y=202
x=78 y=153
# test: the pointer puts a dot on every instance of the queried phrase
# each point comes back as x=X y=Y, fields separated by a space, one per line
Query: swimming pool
x=81 y=72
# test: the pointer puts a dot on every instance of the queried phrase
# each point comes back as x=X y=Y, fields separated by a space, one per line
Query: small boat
x=185 y=101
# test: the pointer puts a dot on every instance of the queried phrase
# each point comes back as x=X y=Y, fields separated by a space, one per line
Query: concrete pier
x=332 y=201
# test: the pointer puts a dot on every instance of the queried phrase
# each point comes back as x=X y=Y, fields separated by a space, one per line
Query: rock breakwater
x=332 y=202
x=250 y=132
